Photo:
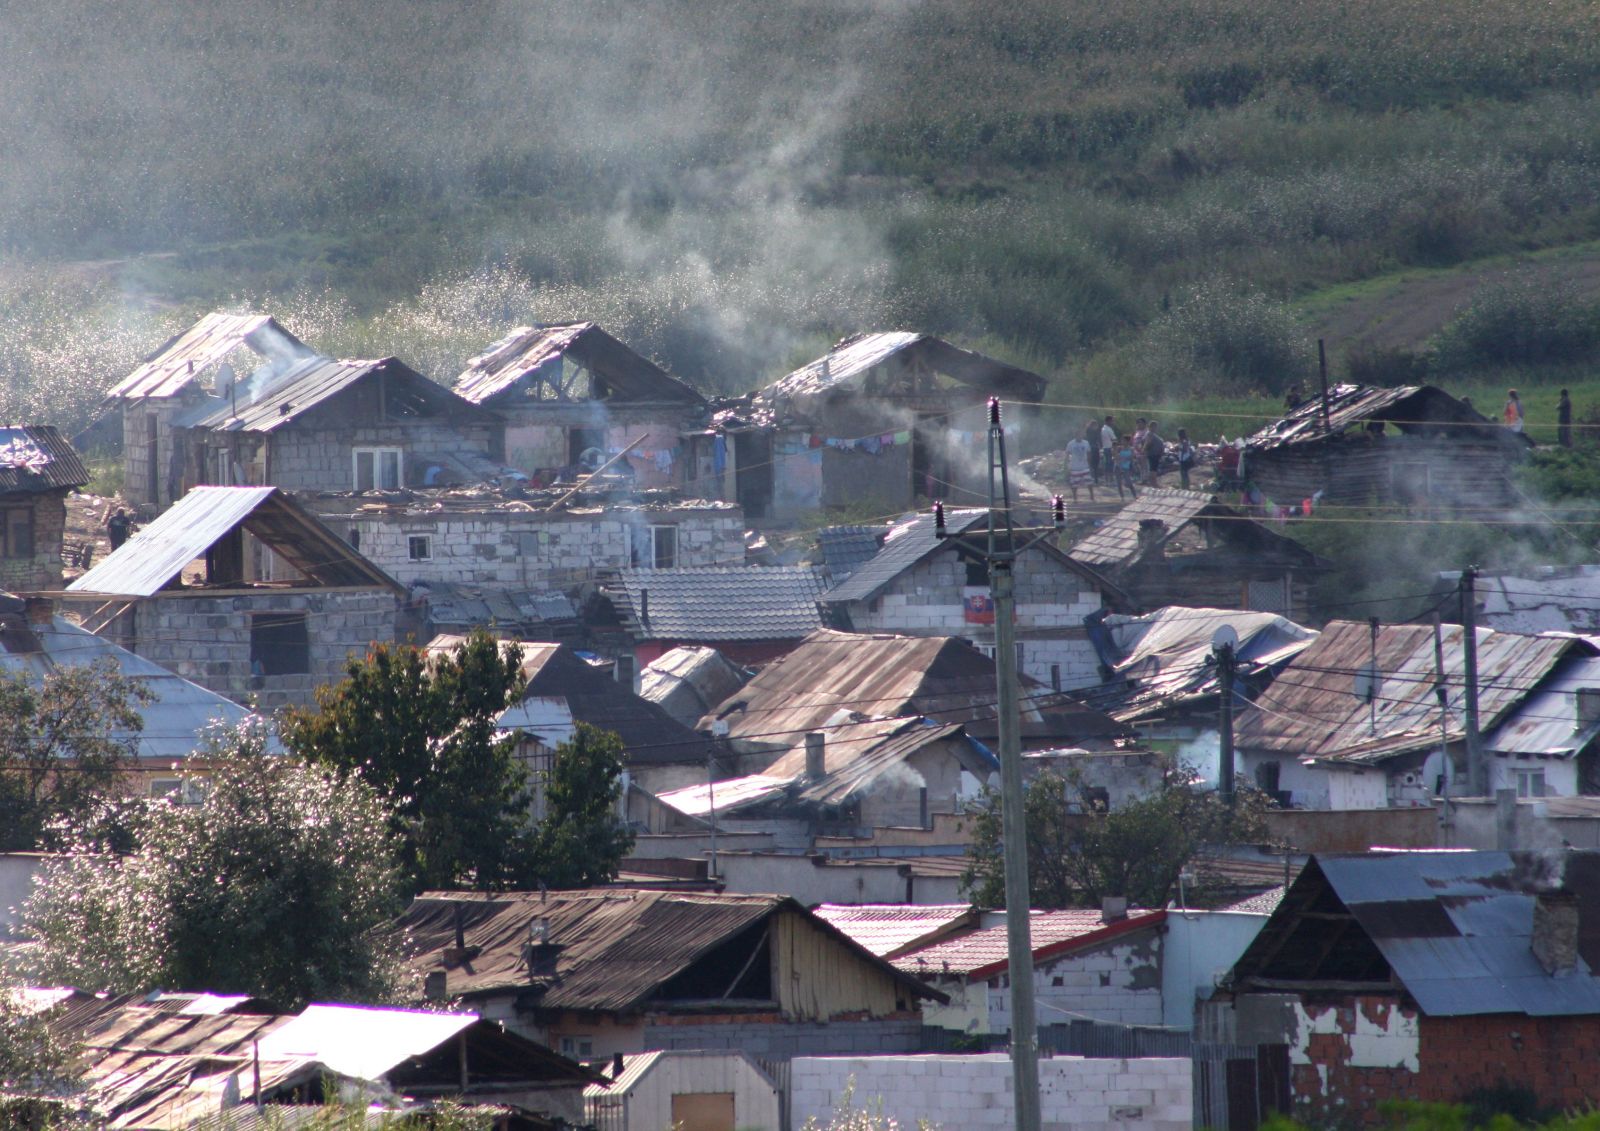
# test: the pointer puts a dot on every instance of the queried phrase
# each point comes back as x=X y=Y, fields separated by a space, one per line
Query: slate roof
x=618 y=948
x=623 y=374
x=890 y=929
x=144 y=564
x=854 y=356
x=845 y=549
x=172 y=367
x=175 y=718
x=1451 y=928
x=1311 y=710
x=715 y=603
x=983 y=954
x=36 y=458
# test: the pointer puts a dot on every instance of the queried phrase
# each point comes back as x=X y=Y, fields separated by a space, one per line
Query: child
x=1125 y=467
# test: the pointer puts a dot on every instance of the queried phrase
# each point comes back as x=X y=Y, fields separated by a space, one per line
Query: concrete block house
x=244 y=592
x=573 y=396
x=920 y=585
x=38 y=470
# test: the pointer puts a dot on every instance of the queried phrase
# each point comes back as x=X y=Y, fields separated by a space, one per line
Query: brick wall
x=41 y=570
x=321 y=459
x=975 y=1091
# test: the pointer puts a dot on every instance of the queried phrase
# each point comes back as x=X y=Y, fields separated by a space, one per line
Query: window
x=279 y=644
x=577 y=1048
x=377 y=469
x=419 y=548
x=1530 y=783
x=16 y=533
x=187 y=791
x=663 y=547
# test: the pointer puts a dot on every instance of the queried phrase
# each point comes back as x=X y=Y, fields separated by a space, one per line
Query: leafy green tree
x=581 y=840
x=270 y=886
x=1078 y=854
x=57 y=752
x=422 y=731
x=39 y=1081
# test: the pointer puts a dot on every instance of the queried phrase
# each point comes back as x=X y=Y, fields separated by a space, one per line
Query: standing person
x=1078 y=450
x=1564 y=420
x=1091 y=436
x=1125 y=459
x=1513 y=411
x=117 y=527
x=1154 y=448
x=1108 y=447
x=1186 y=457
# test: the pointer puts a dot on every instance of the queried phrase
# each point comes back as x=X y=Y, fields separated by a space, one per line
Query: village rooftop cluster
x=809 y=724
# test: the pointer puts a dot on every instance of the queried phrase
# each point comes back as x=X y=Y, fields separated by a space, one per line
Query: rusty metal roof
x=170 y=369
x=855 y=356
x=890 y=929
x=983 y=954
x=1165 y=661
x=1453 y=928
x=36 y=458
x=309 y=382
x=1407 y=407
x=1311 y=711
x=941 y=677
x=622 y=374
x=1548 y=723
x=144 y=564
x=619 y=948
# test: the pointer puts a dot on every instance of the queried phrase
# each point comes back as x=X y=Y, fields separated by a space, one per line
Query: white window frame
x=411 y=548
x=1530 y=783
x=188 y=790
x=658 y=532
x=378 y=456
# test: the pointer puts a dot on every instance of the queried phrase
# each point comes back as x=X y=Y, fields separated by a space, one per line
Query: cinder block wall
x=43 y=569
x=1149 y=1094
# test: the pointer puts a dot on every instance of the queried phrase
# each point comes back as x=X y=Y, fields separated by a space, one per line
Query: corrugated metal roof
x=942 y=677
x=635 y=1067
x=363 y=1042
x=688 y=681
x=714 y=603
x=1165 y=660
x=618 y=948
x=724 y=797
x=1407 y=407
x=1311 y=710
x=889 y=929
x=144 y=564
x=310 y=382
x=623 y=374
x=984 y=954
x=178 y=714
x=1454 y=929
x=855 y=356
x=1547 y=723
x=171 y=368
x=36 y=457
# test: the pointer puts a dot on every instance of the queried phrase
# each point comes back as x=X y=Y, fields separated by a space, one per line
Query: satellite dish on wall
x=1225 y=637
x=1367 y=683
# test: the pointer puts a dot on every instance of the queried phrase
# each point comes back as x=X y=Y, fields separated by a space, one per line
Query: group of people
x=1514 y=418
x=1100 y=454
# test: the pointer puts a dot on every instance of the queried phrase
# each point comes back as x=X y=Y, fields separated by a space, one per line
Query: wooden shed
x=1414 y=445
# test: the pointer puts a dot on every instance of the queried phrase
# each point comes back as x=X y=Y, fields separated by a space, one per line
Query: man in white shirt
x=1078 y=474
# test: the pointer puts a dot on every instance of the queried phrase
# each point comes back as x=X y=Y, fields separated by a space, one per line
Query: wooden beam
x=1304 y=986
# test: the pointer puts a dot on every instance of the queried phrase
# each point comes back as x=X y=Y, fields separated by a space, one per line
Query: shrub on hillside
x=1222 y=337
x=1525 y=319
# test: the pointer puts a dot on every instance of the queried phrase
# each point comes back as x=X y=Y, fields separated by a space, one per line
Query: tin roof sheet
x=854 y=356
x=888 y=929
x=983 y=954
x=363 y=1042
x=688 y=681
x=36 y=457
x=623 y=374
x=311 y=381
x=1408 y=407
x=1311 y=710
x=144 y=564
x=167 y=371
x=727 y=796
x=1549 y=722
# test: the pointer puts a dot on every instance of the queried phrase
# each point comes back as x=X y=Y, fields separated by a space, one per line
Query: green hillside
x=1152 y=201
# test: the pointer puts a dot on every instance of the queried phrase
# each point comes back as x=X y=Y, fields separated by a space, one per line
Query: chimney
x=435 y=985
x=39 y=610
x=1152 y=533
x=1588 y=706
x=1555 y=931
x=616 y=1066
x=644 y=609
x=816 y=763
x=1113 y=908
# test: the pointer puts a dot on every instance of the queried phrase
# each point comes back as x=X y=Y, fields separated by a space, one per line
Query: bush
x=1526 y=319
x=1219 y=336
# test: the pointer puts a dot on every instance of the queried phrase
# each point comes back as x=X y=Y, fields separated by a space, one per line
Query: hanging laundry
x=719 y=454
x=903 y=437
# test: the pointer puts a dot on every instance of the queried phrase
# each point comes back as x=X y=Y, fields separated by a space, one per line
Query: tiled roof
x=886 y=929
x=846 y=549
x=983 y=954
x=713 y=603
x=905 y=545
x=35 y=457
x=1117 y=539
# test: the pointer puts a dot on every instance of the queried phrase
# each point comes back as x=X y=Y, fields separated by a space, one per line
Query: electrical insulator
x=994 y=411
x=938 y=520
x=1058 y=507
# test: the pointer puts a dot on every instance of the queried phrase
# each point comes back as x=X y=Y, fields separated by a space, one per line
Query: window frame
x=657 y=531
x=259 y=648
x=8 y=523
x=377 y=454
x=412 y=541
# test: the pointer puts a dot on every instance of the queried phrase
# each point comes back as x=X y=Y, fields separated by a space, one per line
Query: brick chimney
x=1555 y=931
x=816 y=749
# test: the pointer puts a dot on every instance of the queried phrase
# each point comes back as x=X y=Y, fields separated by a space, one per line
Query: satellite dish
x=1367 y=682
x=1224 y=637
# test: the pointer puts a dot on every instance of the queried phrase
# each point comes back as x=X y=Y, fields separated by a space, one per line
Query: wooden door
x=703 y=1111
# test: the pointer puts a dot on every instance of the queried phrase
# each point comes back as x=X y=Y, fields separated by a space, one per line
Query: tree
x=57 y=750
x=1079 y=853
x=39 y=1081
x=423 y=732
x=581 y=840
x=270 y=886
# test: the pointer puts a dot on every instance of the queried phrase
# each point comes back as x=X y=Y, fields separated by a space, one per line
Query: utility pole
x=1226 y=661
x=999 y=553
x=1477 y=776
x=1441 y=691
